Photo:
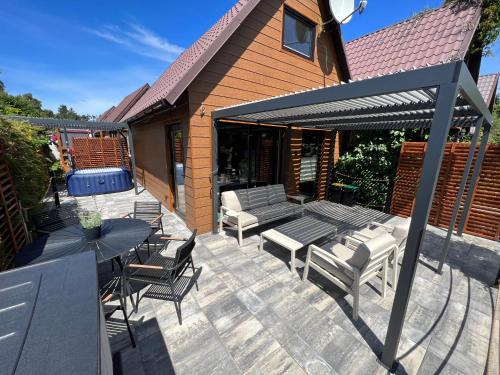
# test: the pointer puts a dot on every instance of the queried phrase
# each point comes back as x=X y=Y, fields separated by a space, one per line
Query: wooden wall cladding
x=13 y=235
x=100 y=152
x=484 y=216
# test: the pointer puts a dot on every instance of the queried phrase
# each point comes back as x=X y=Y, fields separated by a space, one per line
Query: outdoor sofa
x=243 y=209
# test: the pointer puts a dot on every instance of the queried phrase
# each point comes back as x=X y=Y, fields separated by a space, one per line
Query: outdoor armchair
x=400 y=234
x=352 y=263
x=166 y=273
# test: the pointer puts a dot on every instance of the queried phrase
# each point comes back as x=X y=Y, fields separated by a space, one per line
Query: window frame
x=292 y=12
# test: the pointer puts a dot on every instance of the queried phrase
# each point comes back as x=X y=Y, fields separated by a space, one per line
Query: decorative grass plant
x=90 y=219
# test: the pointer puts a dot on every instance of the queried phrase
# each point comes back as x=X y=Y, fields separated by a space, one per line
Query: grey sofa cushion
x=374 y=246
x=400 y=232
x=341 y=273
x=245 y=219
x=354 y=258
x=242 y=195
x=230 y=200
x=276 y=193
x=257 y=197
x=278 y=210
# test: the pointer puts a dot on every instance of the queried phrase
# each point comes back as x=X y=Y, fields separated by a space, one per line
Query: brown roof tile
x=121 y=109
x=182 y=71
x=487 y=86
x=105 y=114
x=429 y=38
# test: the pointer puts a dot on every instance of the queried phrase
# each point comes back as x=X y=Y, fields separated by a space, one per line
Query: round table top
x=117 y=237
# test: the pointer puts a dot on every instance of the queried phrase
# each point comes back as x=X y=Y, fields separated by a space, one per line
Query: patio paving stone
x=252 y=315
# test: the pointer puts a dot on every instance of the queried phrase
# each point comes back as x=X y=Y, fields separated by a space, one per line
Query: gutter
x=152 y=110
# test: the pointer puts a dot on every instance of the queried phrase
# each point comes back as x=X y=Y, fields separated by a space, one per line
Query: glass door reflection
x=177 y=147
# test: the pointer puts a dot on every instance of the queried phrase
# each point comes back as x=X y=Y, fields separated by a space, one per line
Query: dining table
x=118 y=236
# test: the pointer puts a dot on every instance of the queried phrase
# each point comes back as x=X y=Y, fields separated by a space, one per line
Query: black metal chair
x=109 y=310
x=165 y=274
x=151 y=213
x=48 y=221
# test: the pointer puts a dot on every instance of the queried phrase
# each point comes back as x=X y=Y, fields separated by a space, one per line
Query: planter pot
x=92 y=234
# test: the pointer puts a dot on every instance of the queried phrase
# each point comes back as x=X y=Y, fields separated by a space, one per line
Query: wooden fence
x=100 y=152
x=13 y=235
x=484 y=215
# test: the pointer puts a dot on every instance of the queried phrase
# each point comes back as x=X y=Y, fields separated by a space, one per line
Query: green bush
x=22 y=144
x=372 y=163
x=368 y=167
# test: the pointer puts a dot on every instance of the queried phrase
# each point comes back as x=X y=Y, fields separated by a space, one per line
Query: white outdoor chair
x=352 y=264
x=400 y=234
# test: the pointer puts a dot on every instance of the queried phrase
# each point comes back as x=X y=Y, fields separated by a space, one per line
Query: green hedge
x=23 y=154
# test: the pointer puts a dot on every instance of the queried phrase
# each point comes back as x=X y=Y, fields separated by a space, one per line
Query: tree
x=371 y=164
x=23 y=105
x=486 y=33
x=27 y=105
x=63 y=112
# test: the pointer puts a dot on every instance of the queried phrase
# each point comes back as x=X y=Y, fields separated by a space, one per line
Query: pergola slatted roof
x=336 y=108
x=53 y=123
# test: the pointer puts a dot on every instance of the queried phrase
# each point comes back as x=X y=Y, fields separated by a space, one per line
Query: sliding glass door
x=177 y=157
x=248 y=156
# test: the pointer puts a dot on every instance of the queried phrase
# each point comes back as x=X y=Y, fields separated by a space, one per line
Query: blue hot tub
x=83 y=182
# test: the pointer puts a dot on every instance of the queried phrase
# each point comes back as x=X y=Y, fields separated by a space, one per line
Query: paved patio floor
x=252 y=315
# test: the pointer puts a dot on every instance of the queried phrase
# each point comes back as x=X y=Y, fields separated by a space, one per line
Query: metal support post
x=460 y=192
x=473 y=180
x=423 y=202
x=130 y=137
x=215 y=184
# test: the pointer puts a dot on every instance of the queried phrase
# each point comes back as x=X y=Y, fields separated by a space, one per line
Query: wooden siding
x=251 y=65
x=153 y=154
x=484 y=216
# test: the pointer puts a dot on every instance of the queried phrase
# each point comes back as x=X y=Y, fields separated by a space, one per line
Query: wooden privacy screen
x=100 y=152
x=484 y=215
x=12 y=231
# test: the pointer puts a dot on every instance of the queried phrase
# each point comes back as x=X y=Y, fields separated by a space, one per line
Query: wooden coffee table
x=298 y=234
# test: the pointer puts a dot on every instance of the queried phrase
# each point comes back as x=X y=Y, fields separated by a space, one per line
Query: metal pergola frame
x=52 y=123
x=436 y=97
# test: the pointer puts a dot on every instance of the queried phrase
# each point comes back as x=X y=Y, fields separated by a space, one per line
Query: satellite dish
x=342 y=10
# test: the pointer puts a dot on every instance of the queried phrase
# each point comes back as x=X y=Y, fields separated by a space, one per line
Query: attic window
x=298 y=34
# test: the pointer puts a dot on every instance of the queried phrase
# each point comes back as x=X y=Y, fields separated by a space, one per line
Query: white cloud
x=140 y=40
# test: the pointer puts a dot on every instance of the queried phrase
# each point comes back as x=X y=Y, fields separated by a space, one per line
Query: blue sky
x=89 y=54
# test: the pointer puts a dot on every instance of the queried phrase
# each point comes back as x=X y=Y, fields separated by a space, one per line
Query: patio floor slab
x=252 y=315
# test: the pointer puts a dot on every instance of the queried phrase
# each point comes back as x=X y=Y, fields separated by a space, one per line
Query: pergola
x=437 y=97
x=52 y=123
